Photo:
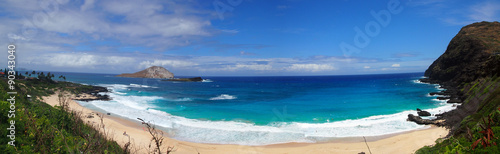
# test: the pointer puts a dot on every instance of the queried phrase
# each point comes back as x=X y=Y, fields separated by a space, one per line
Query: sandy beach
x=407 y=142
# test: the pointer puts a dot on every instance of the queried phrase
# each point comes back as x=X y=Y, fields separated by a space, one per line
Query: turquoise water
x=268 y=110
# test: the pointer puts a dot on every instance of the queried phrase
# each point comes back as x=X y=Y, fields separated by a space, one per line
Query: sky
x=235 y=37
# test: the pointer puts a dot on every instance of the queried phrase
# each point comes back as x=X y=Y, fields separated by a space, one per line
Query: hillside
x=40 y=128
x=157 y=72
x=470 y=55
x=469 y=69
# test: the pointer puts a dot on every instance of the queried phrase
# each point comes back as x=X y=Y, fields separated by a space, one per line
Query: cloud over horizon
x=114 y=36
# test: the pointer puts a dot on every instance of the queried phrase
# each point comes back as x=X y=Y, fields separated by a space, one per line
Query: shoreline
x=406 y=142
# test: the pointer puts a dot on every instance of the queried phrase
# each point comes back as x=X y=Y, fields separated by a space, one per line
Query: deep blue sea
x=269 y=110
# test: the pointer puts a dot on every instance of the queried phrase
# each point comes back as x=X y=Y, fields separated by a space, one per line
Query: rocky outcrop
x=471 y=54
x=419 y=120
x=423 y=113
x=92 y=94
x=157 y=72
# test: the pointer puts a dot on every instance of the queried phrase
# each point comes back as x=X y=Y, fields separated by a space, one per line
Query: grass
x=41 y=128
x=473 y=126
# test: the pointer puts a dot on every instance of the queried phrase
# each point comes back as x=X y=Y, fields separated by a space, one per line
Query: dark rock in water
x=195 y=79
x=94 y=91
x=427 y=80
x=423 y=113
x=454 y=100
x=421 y=121
x=443 y=98
x=436 y=93
x=418 y=110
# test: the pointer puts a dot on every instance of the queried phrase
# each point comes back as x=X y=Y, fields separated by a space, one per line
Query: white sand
x=407 y=142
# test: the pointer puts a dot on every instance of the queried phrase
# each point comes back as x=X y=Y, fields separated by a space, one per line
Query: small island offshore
x=158 y=72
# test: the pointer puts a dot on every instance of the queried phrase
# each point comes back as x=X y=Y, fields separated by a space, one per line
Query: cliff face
x=473 y=53
x=469 y=70
x=151 y=72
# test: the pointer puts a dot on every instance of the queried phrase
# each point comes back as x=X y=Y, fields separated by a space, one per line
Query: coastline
x=404 y=142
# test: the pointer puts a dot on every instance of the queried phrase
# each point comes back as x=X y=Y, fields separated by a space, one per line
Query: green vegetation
x=478 y=132
x=41 y=128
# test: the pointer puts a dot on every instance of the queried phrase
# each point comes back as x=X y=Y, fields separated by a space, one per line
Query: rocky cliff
x=151 y=72
x=469 y=69
x=471 y=54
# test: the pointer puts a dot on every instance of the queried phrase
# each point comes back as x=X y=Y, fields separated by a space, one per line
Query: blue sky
x=236 y=37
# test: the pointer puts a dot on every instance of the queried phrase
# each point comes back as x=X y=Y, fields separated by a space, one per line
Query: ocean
x=269 y=110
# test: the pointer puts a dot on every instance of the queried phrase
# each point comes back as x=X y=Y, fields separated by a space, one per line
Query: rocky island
x=158 y=72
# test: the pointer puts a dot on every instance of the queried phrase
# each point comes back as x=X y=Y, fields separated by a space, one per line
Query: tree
x=33 y=72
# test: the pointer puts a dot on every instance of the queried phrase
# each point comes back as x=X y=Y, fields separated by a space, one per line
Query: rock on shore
x=92 y=94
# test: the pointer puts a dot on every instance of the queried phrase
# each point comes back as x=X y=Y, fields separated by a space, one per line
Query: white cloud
x=88 y=4
x=117 y=60
x=78 y=60
x=395 y=65
x=255 y=67
x=167 y=63
x=68 y=60
x=311 y=67
x=389 y=69
x=157 y=24
x=485 y=11
x=366 y=67
x=456 y=14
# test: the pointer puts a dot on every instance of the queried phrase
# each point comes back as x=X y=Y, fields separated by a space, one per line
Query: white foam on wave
x=122 y=87
x=236 y=132
x=141 y=86
x=206 y=80
x=418 y=81
x=233 y=132
x=223 y=97
x=120 y=93
x=183 y=99
x=115 y=87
